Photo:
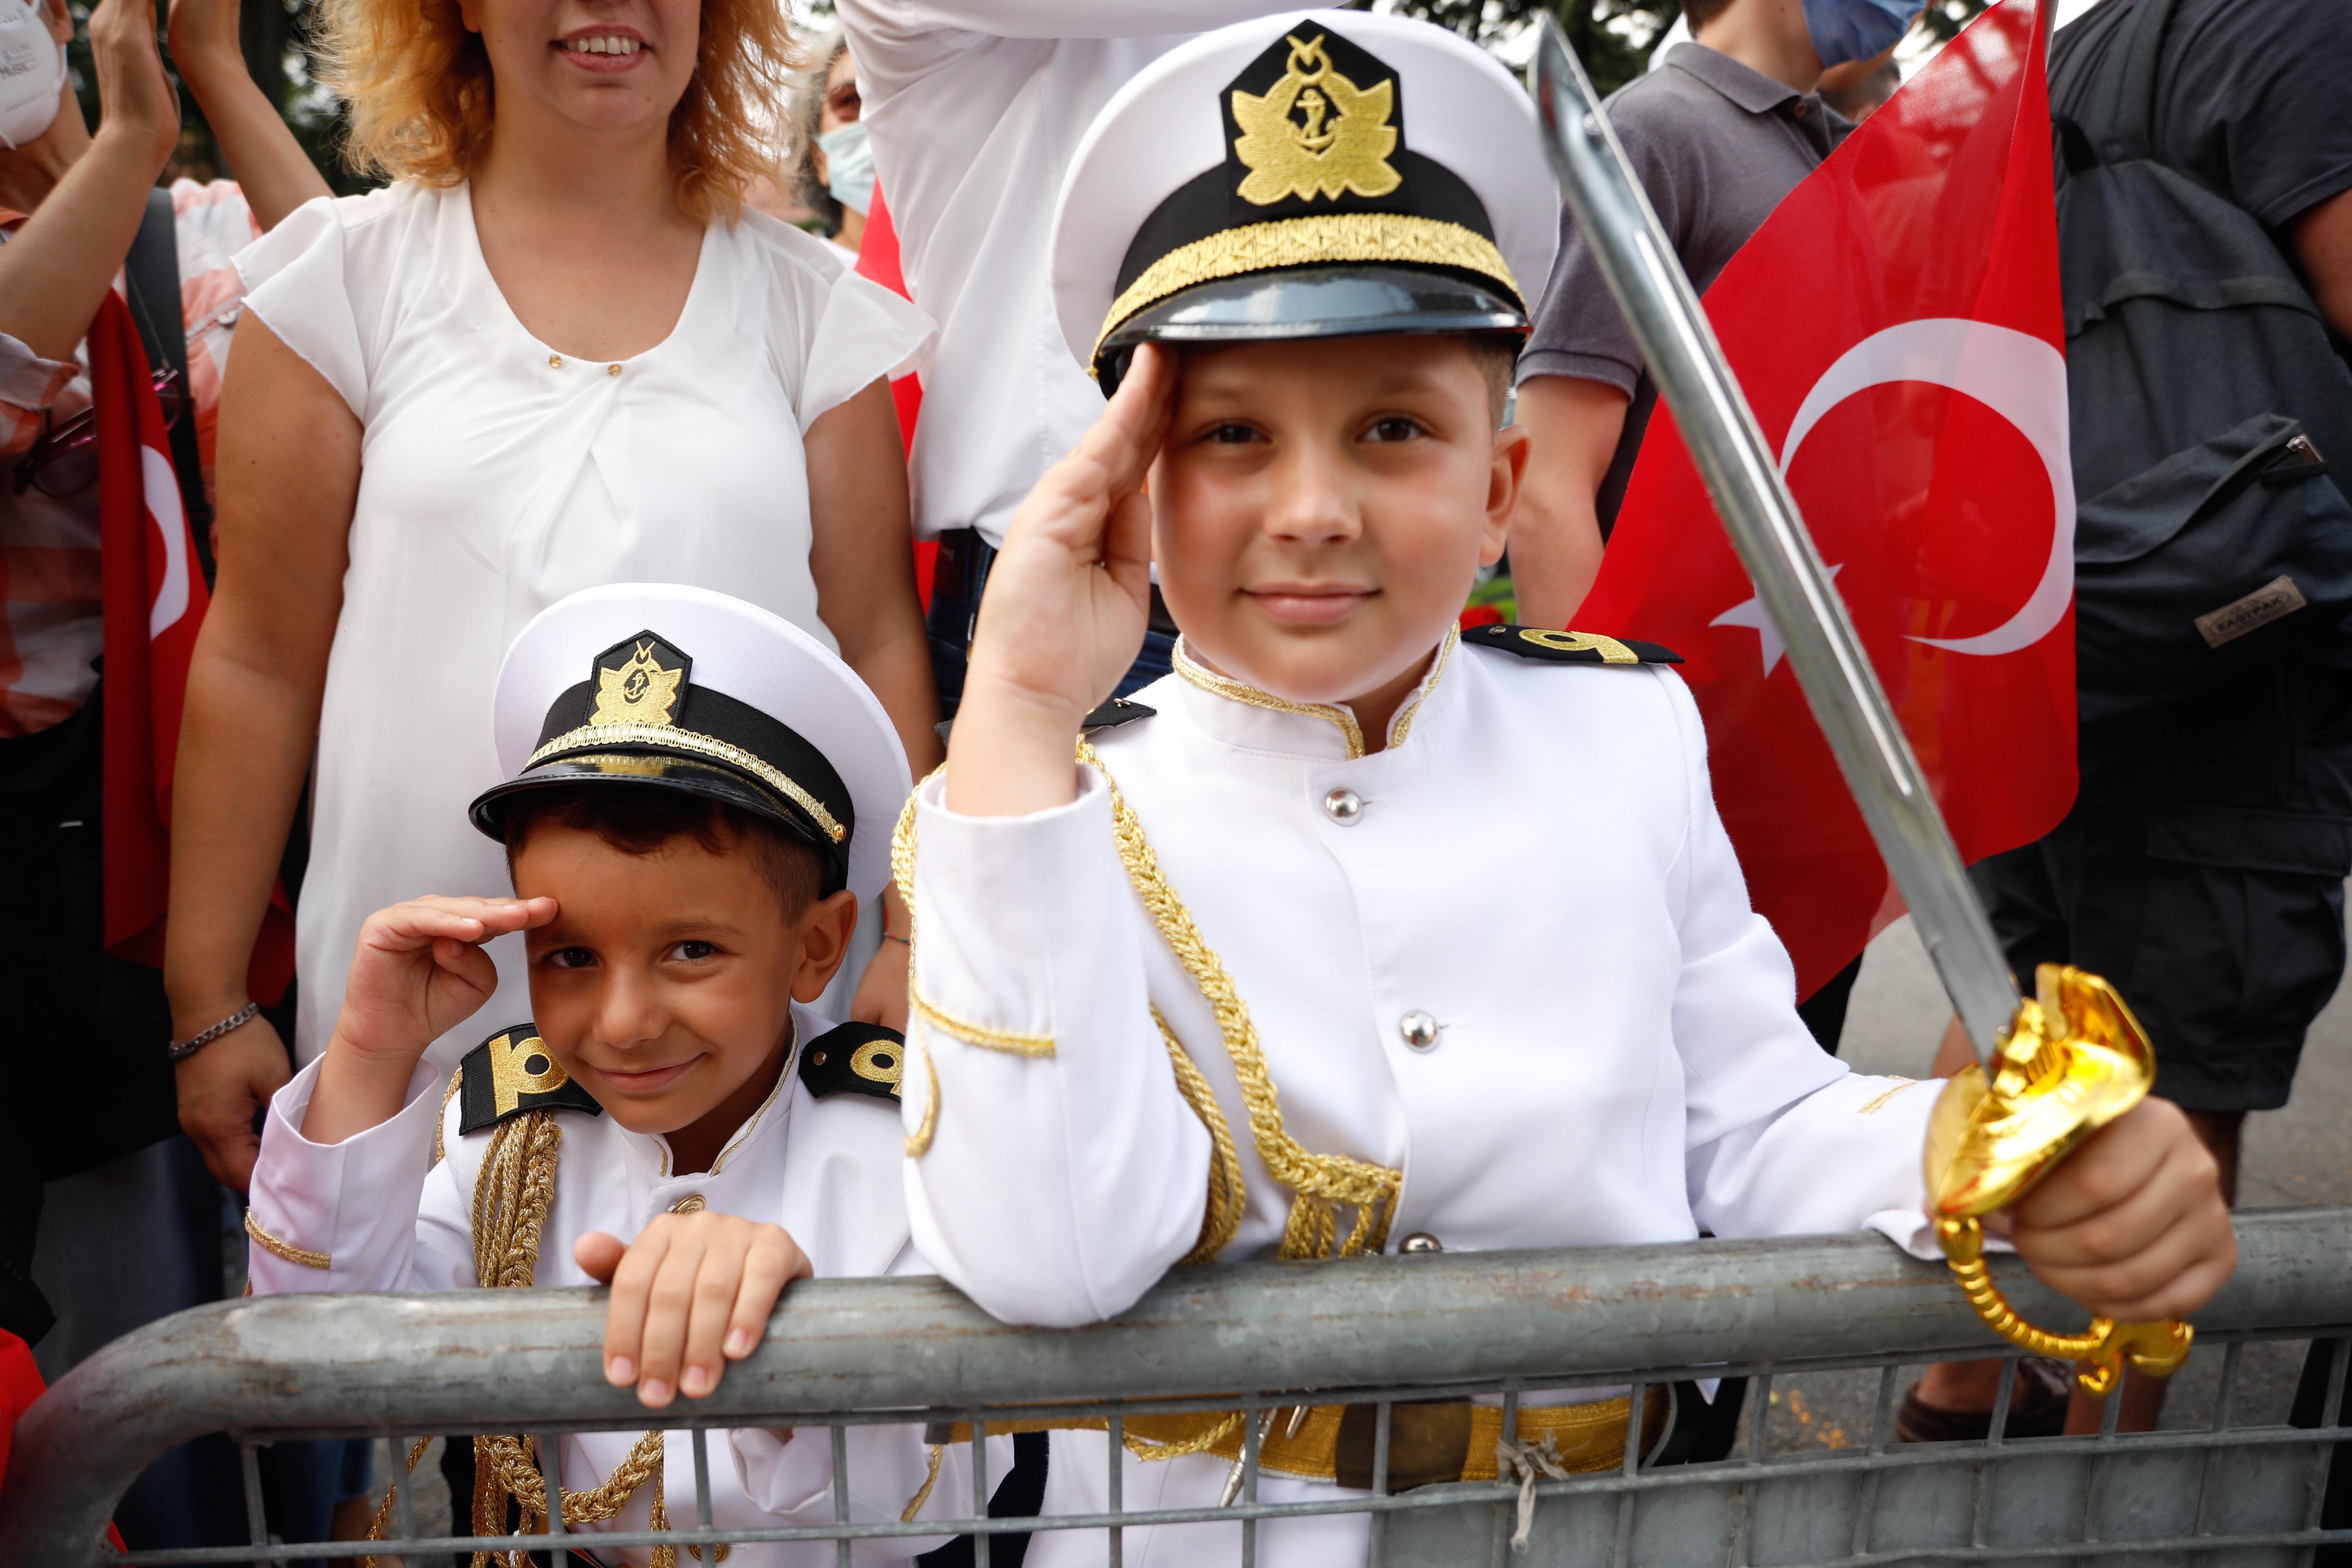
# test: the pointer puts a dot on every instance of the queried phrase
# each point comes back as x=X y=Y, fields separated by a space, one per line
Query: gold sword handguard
x=2074 y=1059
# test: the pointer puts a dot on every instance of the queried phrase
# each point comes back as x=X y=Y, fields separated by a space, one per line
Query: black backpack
x=2207 y=404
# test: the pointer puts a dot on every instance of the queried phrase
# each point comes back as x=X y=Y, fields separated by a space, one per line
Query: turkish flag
x=1895 y=324
x=154 y=599
x=878 y=260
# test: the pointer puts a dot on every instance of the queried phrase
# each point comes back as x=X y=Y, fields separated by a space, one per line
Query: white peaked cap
x=739 y=651
x=1453 y=106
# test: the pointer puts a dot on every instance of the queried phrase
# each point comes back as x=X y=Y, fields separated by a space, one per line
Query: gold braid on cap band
x=1318 y=240
x=669 y=737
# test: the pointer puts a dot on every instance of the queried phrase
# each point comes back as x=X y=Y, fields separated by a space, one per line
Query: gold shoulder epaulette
x=1566 y=647
x=511 y=1072
x=854 y=1059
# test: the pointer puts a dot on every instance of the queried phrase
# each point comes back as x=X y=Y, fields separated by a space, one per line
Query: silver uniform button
x=1419 y=1241
x=1419 y=1029
x=1344 y=806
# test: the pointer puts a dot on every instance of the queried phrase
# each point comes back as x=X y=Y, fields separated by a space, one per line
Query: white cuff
x=338 y=1217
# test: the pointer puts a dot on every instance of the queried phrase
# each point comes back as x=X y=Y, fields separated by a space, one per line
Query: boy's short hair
x=1496 y=356
x=641 y=821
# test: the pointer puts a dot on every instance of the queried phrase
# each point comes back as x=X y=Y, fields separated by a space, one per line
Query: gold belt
x=1429 y=1441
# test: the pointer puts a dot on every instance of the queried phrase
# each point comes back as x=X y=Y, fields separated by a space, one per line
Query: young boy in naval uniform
x=1355 y=933
x=696 y=802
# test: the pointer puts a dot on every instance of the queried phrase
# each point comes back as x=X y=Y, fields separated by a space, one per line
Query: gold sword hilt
x=2074 y=1059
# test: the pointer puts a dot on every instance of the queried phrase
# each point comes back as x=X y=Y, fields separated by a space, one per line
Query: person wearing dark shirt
x=2202 y=866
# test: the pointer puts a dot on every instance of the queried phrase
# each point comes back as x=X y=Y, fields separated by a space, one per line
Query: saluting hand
x=419 y=971
x=1066 y=607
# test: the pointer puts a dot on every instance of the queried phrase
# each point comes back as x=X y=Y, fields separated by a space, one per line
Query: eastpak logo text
x=2277 y=598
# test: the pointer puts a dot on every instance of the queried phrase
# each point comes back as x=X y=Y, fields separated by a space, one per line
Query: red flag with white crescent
x=1895 y=324
x=154 y=597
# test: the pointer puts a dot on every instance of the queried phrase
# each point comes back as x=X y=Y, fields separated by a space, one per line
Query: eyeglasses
x=64 y=460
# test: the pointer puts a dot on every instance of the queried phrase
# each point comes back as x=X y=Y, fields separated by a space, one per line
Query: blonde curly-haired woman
x=557 y=351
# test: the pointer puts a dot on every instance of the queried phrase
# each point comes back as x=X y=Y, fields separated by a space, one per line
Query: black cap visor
x=1304 y=302
x=640 y=768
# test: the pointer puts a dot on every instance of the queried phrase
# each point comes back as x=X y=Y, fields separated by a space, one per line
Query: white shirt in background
x=975 y=108
x=497 y=476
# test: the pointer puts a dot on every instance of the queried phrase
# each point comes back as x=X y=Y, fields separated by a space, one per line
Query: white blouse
x=497 y=476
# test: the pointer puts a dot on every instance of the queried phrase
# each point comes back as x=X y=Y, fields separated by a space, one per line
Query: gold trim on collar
x=1402 y=726
x=1321 y=239
x=1233 y=691
x=669 y=737
x=1216 y=685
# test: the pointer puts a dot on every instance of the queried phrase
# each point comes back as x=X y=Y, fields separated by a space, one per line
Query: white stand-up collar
x=1240 y=714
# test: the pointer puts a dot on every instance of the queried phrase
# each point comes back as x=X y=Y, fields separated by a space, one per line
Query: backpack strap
x=152 y=275
x=2120 y=112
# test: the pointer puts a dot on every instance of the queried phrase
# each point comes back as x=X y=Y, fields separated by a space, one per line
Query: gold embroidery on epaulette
x=1611 y=650
x=1322 y=239
x=1321 y=1183
x=1403 y=725
x=285 y=1249
x=902 y=872
x=923 y=1493
x=441 y=1117
x=1876 y=1101
x=1233 y=691
x=668 y=737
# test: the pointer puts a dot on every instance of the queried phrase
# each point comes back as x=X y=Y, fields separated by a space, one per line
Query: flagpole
x=1760 y=514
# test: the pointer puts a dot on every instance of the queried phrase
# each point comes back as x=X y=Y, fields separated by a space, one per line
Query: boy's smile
x=1320 y=508
x=665 y=984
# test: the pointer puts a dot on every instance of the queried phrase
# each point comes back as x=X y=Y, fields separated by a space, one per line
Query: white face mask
x=32 y=73
x=849 y=166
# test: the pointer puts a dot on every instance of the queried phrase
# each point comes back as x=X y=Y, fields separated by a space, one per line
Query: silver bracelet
x=197 y=1042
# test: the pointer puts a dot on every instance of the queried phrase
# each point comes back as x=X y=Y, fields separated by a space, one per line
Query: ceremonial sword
x=2050 y=1070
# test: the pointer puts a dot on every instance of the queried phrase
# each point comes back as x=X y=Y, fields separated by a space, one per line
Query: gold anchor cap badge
x=640 y=692
x=1315 y=133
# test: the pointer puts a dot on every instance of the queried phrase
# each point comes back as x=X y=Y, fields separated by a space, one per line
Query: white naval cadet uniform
x=1510 y=956
x=385 y=1216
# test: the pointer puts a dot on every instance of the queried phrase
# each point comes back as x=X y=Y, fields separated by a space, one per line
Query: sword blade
x=1760 y=514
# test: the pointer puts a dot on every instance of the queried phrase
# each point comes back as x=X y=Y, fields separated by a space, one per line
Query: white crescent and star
x=2018 y=376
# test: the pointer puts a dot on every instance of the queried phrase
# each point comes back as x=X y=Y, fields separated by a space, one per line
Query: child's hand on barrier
x=692 y=1288
x=418 y=971
x=2132 y=1224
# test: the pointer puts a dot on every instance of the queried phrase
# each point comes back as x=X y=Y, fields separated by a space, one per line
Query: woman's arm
x=862 y=555
x=288 y=476
x=270 y=167
x=56 y=267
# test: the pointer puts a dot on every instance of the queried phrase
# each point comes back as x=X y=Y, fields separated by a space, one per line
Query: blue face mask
x=1845 y=30
x=849 y=166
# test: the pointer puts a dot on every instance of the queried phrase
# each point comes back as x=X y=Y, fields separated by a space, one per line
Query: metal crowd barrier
x=856 y=1351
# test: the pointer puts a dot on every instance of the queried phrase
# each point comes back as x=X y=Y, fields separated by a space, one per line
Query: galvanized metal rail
x=844 y=1352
